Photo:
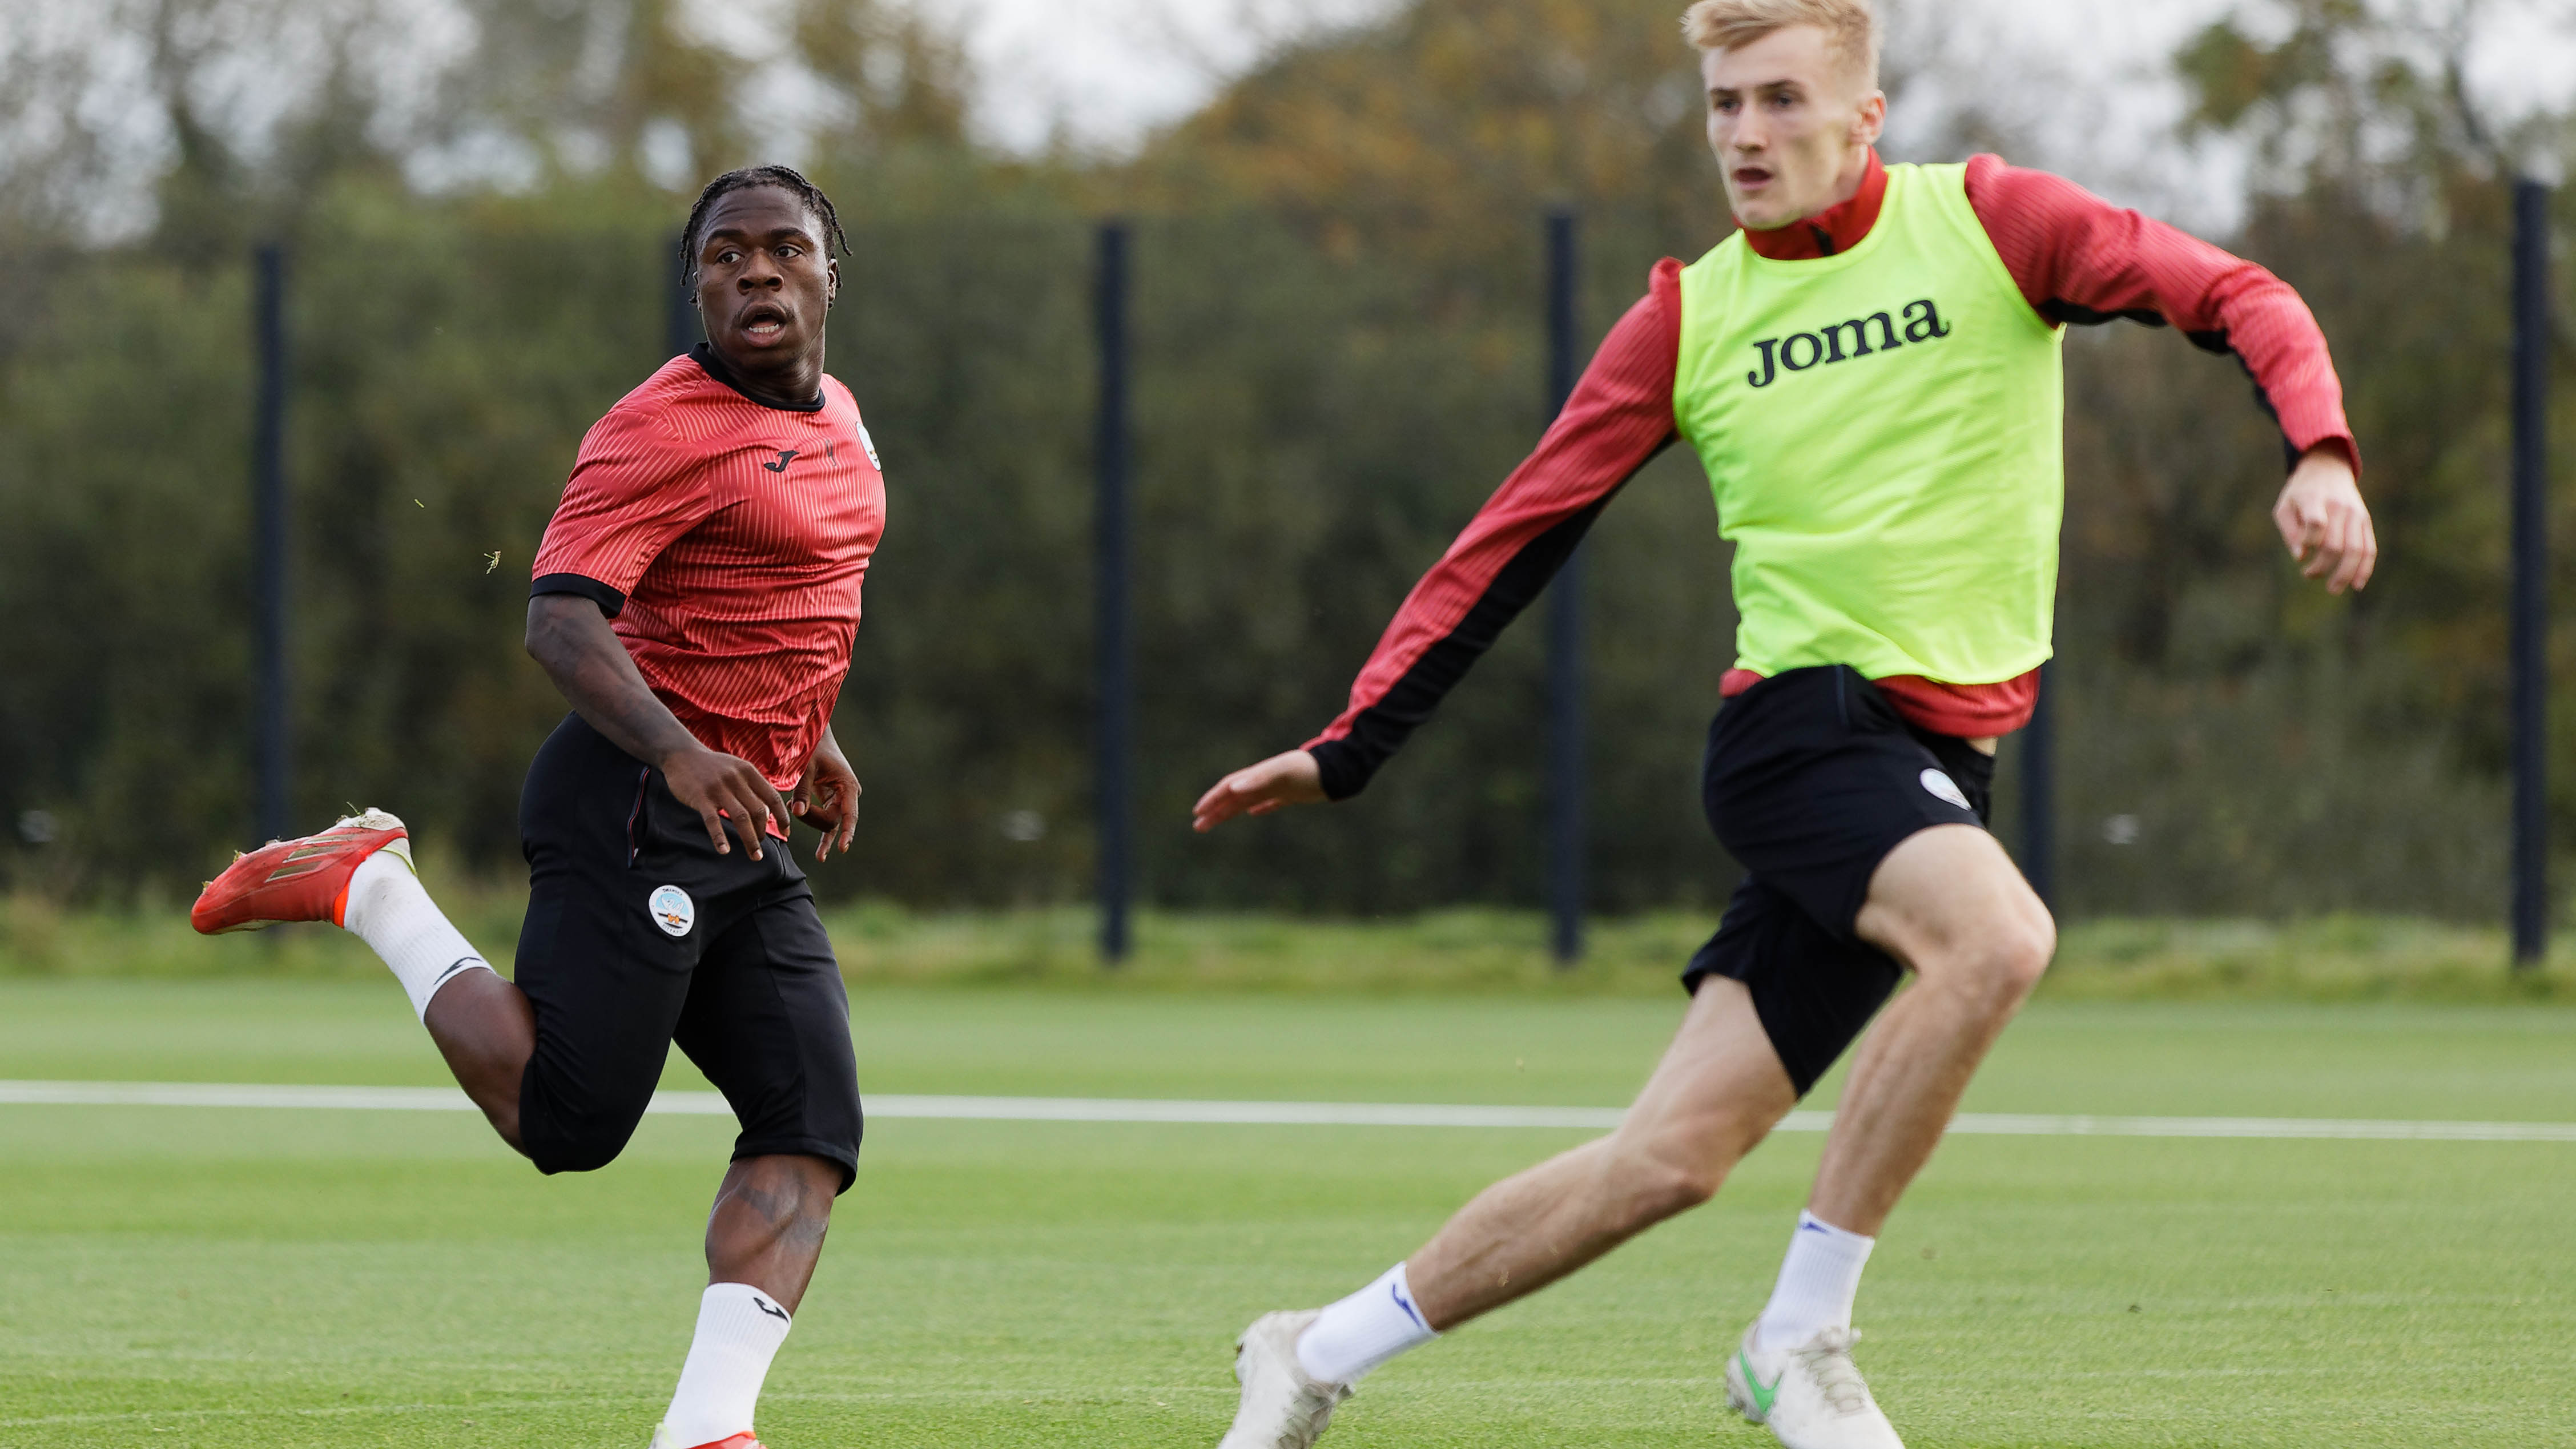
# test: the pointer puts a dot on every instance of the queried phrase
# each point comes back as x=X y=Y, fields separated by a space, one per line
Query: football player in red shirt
x=694 y=599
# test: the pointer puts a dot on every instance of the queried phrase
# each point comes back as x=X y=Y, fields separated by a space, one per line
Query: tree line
x=1339 y=336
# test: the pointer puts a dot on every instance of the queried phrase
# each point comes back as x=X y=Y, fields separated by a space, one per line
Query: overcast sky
x=2084 y=86
x=1104 y=72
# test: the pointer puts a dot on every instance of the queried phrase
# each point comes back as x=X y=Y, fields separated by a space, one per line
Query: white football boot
x=1811 y=1396
x=1282 y=1408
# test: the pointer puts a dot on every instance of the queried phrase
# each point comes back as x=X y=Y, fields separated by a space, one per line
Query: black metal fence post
x=1565 y=829
x=1114 y=634
x=680 y=320
x=268 y=542
x=2531 y=343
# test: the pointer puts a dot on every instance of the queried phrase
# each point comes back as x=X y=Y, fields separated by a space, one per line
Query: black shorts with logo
x=639 y=935
x=1811 y=778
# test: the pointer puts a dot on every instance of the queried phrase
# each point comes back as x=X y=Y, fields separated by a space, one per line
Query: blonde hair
x=1850 y=26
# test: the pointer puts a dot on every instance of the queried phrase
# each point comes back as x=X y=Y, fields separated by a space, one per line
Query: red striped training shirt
x=2076 y=258
x=726 y=539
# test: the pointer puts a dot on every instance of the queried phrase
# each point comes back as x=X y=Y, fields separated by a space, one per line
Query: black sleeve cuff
x=610 y=601
x=1341 y=769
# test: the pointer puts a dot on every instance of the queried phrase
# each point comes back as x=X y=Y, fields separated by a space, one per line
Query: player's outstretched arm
x=2324 y=522
x=2079 y=259
x=828 y=797
x=1620 y=416
x=1289 y=779
x=569 y=637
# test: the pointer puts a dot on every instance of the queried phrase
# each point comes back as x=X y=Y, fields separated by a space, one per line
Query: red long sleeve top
x=2077 y=260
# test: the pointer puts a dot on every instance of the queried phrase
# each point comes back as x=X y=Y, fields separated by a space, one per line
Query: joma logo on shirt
x=1802 y=350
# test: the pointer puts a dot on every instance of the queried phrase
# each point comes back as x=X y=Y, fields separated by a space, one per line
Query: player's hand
x=828 y=797
x=724 y=790
x=2325 y=523
x=1289 y=779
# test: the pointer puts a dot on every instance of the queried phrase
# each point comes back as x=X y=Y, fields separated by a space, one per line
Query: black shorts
x=1811 y=778
x=640 y=935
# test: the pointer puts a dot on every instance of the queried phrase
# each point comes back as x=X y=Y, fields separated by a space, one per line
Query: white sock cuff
x=1400 y=1288
x=742 y=1313
x=1842 y=1238
x=1819 y=1280
x=1358 y=1333
x=391 y=911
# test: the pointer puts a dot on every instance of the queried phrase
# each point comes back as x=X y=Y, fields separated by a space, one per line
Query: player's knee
x=2028 y=950
x=2009 y=961
x=1652 y=1182
x=1676 y=1189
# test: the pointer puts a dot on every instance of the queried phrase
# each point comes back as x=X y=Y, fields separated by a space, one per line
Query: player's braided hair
x=786 y=178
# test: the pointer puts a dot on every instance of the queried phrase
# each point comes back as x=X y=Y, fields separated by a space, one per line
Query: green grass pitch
x=206 y=1277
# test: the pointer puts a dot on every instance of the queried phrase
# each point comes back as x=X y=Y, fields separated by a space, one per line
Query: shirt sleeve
x=1620 y=416
x=2079 y=259
x=633 y=490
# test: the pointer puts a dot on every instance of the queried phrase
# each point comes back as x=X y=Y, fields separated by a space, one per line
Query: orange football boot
x=742 y=1440
x=305 y=879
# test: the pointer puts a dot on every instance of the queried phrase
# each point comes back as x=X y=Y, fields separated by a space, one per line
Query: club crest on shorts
x=1941 y=786
x=671 y=909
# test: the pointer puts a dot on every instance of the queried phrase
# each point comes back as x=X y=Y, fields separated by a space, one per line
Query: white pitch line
x=1274 y=1114
x=1278 y=1114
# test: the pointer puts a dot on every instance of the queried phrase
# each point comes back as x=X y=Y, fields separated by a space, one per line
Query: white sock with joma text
x=739 y=1331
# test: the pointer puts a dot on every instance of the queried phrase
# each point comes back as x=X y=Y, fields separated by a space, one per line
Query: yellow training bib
x=1882 y=431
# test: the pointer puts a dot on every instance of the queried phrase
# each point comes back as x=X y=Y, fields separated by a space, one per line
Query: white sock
x=390 y=911
x=739 y=1331
x=1818 y=1281
x=1362 y=1331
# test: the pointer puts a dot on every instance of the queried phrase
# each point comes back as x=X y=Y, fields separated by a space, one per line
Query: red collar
x=1830 y=232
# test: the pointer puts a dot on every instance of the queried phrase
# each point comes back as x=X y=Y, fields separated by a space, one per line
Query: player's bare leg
x=1717 y=1092
x=764 y=1233
x=486 y=1030
x=766 y=1229
x=1952 y=906
x=764 y=1236
x=767 y=1226
x=770 y=1215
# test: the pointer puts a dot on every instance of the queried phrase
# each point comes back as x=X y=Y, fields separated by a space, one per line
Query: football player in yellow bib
x=1869 y=372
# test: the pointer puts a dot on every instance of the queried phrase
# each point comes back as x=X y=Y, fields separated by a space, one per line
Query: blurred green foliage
x=1475 y=950
x=1339 y=344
